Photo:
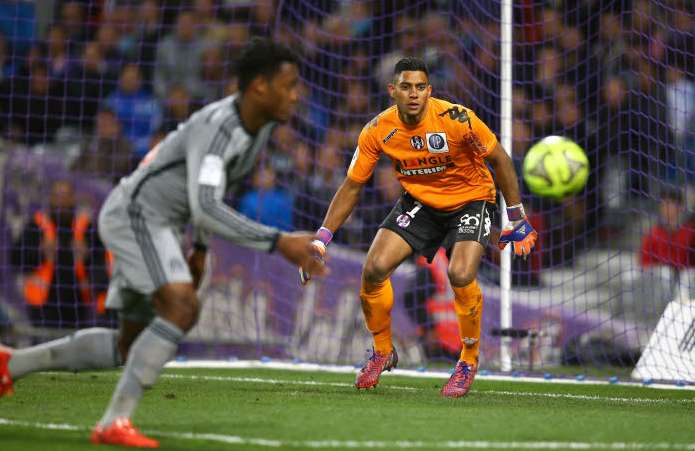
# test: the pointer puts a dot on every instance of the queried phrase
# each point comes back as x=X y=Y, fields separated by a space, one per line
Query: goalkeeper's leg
x=385 y=254
x=468 y=304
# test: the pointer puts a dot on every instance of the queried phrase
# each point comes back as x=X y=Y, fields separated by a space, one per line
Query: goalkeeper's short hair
x=410 y=63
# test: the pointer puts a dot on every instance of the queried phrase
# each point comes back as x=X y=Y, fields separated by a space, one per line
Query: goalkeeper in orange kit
x=439 y=151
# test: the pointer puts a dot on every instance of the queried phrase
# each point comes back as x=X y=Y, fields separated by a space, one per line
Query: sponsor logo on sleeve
x=457 y=114
x=390 y=135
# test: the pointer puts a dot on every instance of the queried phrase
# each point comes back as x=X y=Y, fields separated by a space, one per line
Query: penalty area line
x=364 y=444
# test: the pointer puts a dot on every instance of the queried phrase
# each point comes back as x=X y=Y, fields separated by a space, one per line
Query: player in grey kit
x=181 y=181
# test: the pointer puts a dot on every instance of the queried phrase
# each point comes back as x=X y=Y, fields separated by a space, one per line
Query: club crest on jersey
x=417 y=142
x=436 y=142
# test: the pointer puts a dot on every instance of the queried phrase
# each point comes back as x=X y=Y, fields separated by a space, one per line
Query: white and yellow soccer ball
x=555 y=167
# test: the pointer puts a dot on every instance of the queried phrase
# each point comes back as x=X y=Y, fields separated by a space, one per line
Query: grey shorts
x=146 y=254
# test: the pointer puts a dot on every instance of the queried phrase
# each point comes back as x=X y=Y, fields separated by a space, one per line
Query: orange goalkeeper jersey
x=439 y=161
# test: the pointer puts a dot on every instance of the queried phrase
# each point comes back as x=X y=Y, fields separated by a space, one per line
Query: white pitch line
x=362 y=444
x=591 y=397
x=345 y=369
x=260 y=380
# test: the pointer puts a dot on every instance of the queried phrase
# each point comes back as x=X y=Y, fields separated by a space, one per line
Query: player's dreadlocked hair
x=261 y=56
x=411 y=64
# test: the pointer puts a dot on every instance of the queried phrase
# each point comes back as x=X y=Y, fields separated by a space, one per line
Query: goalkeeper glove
x=323 y=237
x=518 y=231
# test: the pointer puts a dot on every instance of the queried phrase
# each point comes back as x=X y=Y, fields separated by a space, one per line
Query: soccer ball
x=555 y=167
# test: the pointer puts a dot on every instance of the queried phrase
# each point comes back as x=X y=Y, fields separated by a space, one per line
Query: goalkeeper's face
x=283 y=93
x=410 y=90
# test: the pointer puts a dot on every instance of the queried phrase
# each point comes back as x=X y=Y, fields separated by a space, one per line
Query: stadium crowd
x=617 y=77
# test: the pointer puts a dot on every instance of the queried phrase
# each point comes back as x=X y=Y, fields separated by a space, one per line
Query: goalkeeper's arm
x=518 y=231
x=342 y=204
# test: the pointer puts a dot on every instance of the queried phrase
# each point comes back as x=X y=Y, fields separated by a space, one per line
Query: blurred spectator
x=17 y=23
x=681 y=37
x=355 y=106
x=123 y=18
x=551 y=24
x=89 y=82
x=137 y=110
x=671 y=240
x=237 y=36
x=541 y=118
x=149 y=31
x=62 y=260
x=107 y=38
x=74 y=21
x=434 y=32
x=548 y=72
x=58 y=58
x=326 y=177
x=7 y=68
x=177 y=108
x=570 y=123
x=266 y=202
x=610 y=49
x=213 y=75
x=262 y=14
x=612 y=163
x=680 y=98
x=567 y=234
x=179 y=59
x=311 y=37
x=652 y=142
x=521 y=141
x=36 y=106
x=207 y=23
x=280 y=153
x=107 y=154
x=521 y=103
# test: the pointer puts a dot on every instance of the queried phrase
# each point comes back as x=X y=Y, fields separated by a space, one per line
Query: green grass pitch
x=254 y=409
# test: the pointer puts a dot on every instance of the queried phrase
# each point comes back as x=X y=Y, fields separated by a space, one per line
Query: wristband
x=516 y=212
x=324 y=235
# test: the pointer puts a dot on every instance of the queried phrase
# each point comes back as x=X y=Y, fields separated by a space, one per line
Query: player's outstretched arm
x=518 y=231
x=342 y=204
x=298 y=248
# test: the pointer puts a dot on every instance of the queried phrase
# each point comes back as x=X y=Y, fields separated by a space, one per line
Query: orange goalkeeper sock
x=468 y=304
x=377 y=300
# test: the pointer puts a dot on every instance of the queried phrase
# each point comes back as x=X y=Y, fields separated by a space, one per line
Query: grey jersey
x=184 y=179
